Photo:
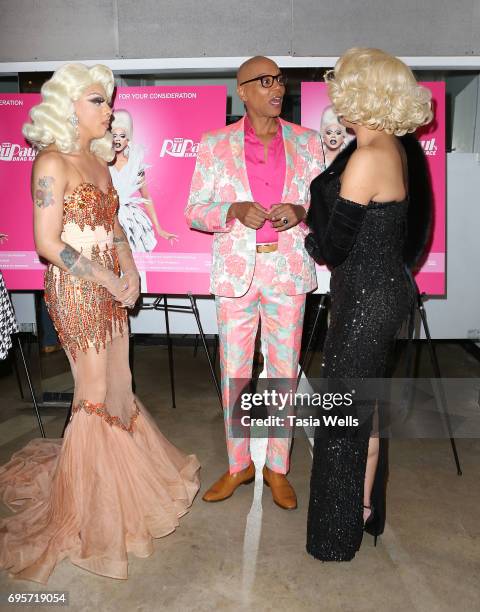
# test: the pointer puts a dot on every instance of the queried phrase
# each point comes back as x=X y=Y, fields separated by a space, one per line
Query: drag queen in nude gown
x=114 y=482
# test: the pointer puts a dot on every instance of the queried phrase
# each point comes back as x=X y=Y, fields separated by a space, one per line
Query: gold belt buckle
x=267 y=248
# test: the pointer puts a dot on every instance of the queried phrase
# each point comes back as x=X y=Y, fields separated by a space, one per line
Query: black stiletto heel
x=370 y=516
x=369 y=520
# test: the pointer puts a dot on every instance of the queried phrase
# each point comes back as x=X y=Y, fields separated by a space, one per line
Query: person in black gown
x=358 y=217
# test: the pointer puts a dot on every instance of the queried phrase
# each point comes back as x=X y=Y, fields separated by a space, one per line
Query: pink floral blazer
x=220 y=178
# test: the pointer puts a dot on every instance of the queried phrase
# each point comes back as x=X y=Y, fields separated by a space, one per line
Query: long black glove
x=334 y=221
x=342 y=231
x=333 y=236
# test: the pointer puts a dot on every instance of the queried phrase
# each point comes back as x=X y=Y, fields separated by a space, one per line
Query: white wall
x=24 y=306
x=458 y=315
x=115 y=29
x=466 y=118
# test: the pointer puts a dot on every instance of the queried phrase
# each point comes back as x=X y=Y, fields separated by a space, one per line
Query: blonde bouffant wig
x=122 y=119
x=377 y=90
x=330 y=117
x=50 y=120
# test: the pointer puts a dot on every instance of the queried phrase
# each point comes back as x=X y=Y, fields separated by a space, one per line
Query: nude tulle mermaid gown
x=114 y=481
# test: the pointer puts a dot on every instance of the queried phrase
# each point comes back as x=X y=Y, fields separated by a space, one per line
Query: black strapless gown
x=371 y=297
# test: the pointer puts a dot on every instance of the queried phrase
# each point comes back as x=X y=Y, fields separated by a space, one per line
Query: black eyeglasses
x=267 y=80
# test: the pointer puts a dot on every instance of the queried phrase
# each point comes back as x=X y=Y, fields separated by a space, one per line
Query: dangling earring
x=73 y=119
x=126 y=151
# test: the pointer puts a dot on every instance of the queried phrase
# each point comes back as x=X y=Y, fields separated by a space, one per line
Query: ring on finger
x=284 y=220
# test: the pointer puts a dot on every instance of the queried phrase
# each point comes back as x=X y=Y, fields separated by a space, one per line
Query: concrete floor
x=427 y=560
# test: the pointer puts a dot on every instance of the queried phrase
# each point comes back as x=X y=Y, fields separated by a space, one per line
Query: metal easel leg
x=30 y=386
x=204 y=342
x=215 y=349
x=19 y=380
x=170 y=352
x=440 y=391
x=307 y=359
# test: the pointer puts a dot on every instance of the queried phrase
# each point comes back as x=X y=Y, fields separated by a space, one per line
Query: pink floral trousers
x=281 y=317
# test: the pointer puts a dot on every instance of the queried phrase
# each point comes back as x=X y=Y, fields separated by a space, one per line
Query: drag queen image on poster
x=334 y=135
x=136 y=213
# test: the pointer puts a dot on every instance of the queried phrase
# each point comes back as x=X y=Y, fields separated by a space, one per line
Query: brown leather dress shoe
x=226 y=485
x=282 y=491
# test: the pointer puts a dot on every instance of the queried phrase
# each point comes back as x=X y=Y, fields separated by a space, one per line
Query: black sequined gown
x=371 y=297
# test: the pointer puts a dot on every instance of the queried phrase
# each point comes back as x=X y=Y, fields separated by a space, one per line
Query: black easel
x=161 y=303
x=29 y=383
x=306 y=362
x=440 y=399
x=215 y=348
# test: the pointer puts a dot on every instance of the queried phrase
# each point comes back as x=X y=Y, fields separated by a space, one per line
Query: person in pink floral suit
x=250 y=189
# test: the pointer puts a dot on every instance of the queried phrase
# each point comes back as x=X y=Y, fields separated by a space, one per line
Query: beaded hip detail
x=101 y=411
x=84 y=313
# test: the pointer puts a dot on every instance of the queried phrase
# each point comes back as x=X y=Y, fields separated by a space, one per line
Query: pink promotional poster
x=156 y=133
x=318 y=114
x=18 y=260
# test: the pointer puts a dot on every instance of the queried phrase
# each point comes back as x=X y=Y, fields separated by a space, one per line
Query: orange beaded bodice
x=89 y=206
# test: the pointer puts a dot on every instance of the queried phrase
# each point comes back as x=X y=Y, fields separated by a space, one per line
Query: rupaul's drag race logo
x=429 y=146
x=10 y=151
x=179 y=147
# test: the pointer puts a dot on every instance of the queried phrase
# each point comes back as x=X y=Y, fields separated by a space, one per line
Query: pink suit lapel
x=290 y=155
x=237 y=144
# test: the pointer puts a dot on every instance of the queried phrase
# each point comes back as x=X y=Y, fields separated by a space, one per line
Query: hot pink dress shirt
x=266 y=176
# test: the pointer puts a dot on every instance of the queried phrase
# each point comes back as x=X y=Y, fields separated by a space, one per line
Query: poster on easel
x=19 y=261
x=317 y=113
x=156 y=131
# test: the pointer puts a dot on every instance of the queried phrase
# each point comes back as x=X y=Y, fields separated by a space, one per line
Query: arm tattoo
x=69 y=256
x=124 y=251
x=75 y=263
x=44 y=192
x=119 y=239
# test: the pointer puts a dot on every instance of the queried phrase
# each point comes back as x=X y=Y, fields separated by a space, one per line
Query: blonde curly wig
x=50 y=119
x=377 y=90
